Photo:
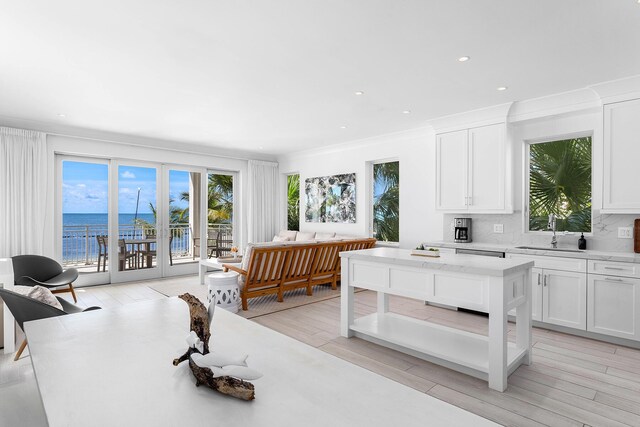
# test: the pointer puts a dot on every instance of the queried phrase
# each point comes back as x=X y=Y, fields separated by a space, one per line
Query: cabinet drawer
x=611 y=268
x=553 y=263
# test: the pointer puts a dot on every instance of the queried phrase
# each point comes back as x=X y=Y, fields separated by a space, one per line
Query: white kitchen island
x=491 y=285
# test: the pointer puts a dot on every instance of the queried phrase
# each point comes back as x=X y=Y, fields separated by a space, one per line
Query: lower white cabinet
x=564 y=298
x=536 y=294
x=614 y=306
x=558 y=297
x=558 y=290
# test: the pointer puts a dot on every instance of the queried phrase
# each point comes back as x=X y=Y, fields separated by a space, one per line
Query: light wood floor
x=572 y=381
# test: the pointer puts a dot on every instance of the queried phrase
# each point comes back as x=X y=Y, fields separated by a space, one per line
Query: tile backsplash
x=604 y=237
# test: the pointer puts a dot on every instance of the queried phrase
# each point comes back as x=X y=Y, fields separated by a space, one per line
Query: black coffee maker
x=462 y=230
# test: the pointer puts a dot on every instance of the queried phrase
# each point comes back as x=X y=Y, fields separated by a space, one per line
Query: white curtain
x=263 y=201
x=23 y=191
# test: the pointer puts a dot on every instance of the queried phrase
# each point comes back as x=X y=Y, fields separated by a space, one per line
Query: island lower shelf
x=431 y=341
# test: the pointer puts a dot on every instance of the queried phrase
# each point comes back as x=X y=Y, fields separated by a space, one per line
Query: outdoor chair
x=224 y=242
x=26 y=309
x=32 y=270
x=103 y=253
x=125 y=256
x=212 y=244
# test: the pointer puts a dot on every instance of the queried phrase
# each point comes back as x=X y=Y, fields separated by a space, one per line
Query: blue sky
x=85 y=187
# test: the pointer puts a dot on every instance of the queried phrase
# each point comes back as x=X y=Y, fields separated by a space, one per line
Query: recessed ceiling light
x=62 y=115
x=359 y=92
x=343 y=127
x=464 y=58
x=261 y=148
x=406 y=112
x=501 y=88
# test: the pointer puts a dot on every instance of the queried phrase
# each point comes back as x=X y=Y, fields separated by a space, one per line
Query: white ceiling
x=282 y=74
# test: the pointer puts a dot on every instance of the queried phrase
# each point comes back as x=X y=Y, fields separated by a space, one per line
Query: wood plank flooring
x=572 y=381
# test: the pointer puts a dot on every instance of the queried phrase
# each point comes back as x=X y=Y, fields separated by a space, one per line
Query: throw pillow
x=44 y=295
x=280 y=239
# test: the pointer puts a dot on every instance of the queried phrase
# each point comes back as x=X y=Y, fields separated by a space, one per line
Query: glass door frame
x=235 y=223
x=169 y=270
x=97 y=278
x=144 y=273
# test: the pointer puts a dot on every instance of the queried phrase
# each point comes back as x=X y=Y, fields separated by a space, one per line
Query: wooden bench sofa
x=277 y=267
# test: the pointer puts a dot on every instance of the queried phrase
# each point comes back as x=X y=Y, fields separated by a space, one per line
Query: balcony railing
x=80 y=246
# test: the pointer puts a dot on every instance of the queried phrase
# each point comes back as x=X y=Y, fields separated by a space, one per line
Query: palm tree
x=219 y=199
x=293 y=202
x=386 y=203
x=560 y=184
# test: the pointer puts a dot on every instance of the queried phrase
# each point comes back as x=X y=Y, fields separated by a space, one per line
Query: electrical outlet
x=625 y=233
x=498 y=228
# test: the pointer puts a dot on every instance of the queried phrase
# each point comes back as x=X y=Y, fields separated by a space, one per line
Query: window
x=293 y=202
x=386 y=201
x=560 y=184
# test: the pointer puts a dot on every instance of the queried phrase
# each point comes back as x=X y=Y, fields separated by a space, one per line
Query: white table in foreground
x=490 y=285
x=113 y=368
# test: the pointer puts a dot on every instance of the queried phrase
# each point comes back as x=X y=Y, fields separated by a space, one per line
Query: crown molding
x=385 y=138
x=618 y=90
x=132 y=140
x=474 y=118
x=560 y=104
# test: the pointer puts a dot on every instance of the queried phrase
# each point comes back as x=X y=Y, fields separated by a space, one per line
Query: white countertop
x=113 y=367
x=450 y=262
x=588 y=254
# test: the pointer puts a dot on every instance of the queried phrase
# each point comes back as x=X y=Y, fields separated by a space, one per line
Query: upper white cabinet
x=621 y=154
x=472 y=167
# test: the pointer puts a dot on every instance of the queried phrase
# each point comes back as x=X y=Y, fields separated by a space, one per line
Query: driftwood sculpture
x=200 y=319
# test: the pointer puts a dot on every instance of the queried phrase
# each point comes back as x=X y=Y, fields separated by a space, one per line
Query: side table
x=224 y=288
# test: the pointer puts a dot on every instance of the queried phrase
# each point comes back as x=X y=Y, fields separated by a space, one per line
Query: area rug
x=257 y=306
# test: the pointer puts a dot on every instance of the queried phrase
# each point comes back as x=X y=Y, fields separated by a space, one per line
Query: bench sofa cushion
x=305 y=236
x=289 y=234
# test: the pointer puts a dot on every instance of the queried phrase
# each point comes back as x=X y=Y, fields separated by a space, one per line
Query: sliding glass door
x=134 y=241
x=185 y=211
x=83 y=216
x=122 y=220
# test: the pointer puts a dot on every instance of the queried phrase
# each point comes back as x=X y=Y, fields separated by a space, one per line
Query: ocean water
x=79 y=231
x=75 y=219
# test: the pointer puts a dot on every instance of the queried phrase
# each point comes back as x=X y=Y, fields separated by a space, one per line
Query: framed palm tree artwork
x=331 y=198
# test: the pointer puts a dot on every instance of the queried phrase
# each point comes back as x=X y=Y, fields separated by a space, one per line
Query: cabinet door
x=614 y=305
x=536 y=295
x=451 y=167
x=487 y=163
x=564 y=296
x=621 y=154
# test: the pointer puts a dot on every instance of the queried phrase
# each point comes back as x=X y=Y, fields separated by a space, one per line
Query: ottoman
x=224 y=286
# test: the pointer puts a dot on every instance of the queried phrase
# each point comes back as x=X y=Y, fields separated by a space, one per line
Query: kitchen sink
x=542 y=248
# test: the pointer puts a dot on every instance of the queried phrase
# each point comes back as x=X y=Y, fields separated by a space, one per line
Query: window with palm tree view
x=386 y=201
x=560 y=184
x=293 y=202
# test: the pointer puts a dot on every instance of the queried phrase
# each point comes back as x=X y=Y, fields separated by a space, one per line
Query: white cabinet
x=620 y=161
x=472 y=167
x=614 y=306
x=564 y=298
x=558 y=290
x=536 y=294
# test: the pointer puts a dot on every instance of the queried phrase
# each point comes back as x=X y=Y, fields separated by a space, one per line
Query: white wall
x=416 y=152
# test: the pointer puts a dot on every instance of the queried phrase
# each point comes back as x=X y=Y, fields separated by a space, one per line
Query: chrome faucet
x=552 y=226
